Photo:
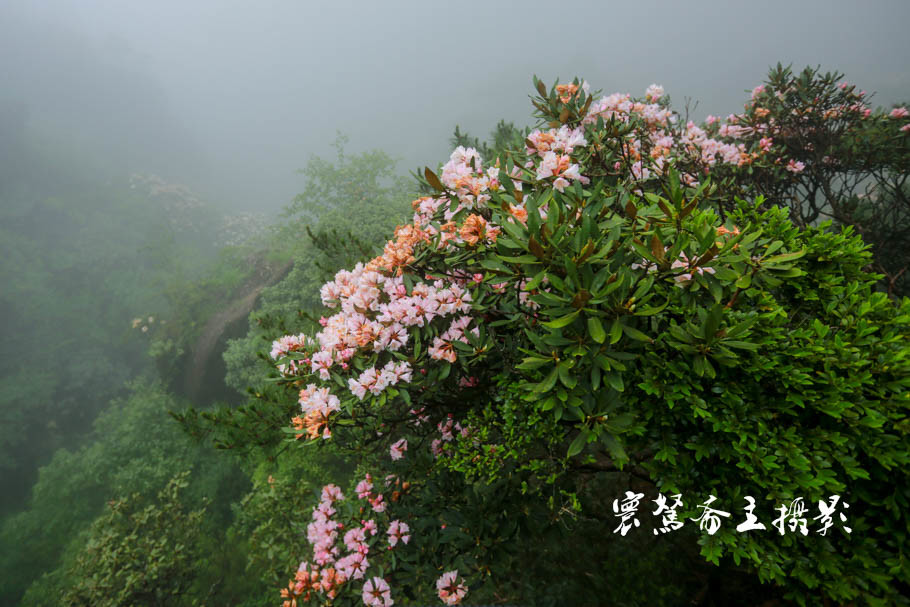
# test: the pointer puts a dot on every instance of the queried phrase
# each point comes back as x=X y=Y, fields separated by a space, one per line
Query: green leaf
x=596 y=330
x=495 y=265
x=712 y=323
x=784 y=257
x=620 y=423
x=742 y=345
x=535 y=282
x=567 y=379
x=614 y=379
x=636 y=334
x=578 y=444
x=615 y=331
x=547 y=384
x=615 y=448
x=548 y=403
x=519 y=259
x=533 y=362
x=651 y=310
x=744 y=281
x=563 y=321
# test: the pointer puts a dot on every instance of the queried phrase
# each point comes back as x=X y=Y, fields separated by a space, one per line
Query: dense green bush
x=646 y=341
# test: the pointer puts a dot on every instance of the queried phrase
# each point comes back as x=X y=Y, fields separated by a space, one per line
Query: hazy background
x=232 y=97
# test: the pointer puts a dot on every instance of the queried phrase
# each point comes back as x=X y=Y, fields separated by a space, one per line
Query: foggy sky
x=233 y=97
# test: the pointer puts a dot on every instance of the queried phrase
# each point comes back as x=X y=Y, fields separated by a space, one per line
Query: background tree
x=141 y=554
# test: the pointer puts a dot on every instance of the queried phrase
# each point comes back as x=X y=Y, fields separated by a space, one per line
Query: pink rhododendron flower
x=449 y=589
x=376 y=593
x=331 y=493
x=899 y=112
x=654 y=92
x=364 y=487
x=795 y=166
x=396 y=451
x=353 y=566
x=398 y=532
x=355 y=540
x=377 y=503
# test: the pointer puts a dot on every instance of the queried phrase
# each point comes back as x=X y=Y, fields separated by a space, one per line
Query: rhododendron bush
x=593 y=312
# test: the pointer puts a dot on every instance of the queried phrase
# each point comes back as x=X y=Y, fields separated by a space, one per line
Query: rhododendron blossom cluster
x=341 y=551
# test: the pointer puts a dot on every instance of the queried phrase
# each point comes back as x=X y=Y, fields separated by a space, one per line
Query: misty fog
x=233 y=97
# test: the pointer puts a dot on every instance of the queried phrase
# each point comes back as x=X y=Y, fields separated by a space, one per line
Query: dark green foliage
x=136 y=448
x=141 y=553
x=504 y=137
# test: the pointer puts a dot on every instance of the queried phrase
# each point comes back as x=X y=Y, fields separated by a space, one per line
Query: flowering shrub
x=818 y=147
x=578 y=308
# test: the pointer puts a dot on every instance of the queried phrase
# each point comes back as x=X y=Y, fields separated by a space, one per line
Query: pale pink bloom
x=370 y=526
x=442 y=350
x=396 y=451
x=377 y=503
x=353 y=565
x=906 y=128
x=356 y=388
x=355 y=540
x=899 y=112
x=548 y=166
x=289 y=343
x=324 y=557
x=376 y=593
x=731 y=130
x=445 y=429
x=398 y=532
x=640 y=171
x=450 y=590
x=364 y=487
x=765 y=143
x=318 y=399
x=560 y=184
x=654 y=92
x=795 y=166
x=758 y=90
x=331 y=493
x=321 y=363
